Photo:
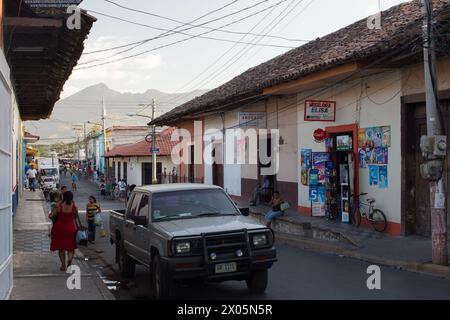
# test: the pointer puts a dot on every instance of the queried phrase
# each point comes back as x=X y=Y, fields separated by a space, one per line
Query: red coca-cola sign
x=319 y=135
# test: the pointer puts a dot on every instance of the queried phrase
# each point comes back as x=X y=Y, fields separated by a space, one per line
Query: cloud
x=130 y=75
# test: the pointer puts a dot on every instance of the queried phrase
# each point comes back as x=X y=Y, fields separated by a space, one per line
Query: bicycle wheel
x=378 y=220
x=357 y=217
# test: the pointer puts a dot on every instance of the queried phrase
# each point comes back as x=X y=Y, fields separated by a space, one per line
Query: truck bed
x=116 y=222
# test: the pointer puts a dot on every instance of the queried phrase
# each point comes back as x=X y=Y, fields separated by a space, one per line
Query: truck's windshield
x=49 y=172
x=191 y=204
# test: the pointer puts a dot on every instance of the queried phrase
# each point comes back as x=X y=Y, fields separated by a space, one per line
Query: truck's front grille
x=226 y=247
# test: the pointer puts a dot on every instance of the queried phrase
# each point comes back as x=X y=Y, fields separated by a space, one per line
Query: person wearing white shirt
x=31 y=174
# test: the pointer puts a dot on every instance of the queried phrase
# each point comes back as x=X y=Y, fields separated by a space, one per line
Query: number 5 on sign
x=313 y=194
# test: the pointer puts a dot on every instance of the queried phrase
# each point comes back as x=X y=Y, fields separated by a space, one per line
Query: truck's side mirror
x=245 y=211
x=140 y=220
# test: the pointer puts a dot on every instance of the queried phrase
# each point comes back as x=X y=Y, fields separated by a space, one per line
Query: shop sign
x=316 y=110
x=319 y=135
x=252 y=119
x=52 y=3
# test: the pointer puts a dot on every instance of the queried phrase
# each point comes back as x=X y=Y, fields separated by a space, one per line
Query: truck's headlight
x=183 y=247
x=259 y=240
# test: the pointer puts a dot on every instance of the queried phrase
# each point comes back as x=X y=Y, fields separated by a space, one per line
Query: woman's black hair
x=93 y=198
x=68 y=197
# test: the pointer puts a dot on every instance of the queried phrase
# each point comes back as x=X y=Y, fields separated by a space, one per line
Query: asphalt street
x=298 y=274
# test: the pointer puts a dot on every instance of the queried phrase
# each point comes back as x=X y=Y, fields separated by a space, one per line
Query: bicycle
x=368 y=211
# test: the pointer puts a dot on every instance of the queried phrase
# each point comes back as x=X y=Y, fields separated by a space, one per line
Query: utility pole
x=154 y=178
x=104 y=133
x=434 y=145
x=85 y=141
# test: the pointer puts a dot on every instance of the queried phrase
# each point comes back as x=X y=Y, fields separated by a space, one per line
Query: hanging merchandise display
x=373 y=152
x=373 y=175
x=319 y=159
x=305 y=165
x=383 y=177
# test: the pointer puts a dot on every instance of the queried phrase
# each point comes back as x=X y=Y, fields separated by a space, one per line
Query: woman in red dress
x=64 y=230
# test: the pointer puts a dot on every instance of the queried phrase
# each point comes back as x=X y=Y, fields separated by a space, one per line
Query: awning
x=41 y=52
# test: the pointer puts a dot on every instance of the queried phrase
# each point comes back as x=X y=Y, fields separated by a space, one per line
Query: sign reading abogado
x=316 y=110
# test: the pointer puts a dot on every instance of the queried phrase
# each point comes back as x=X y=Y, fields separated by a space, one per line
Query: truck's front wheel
x=257 y=281
x=127 y=266
x=163 y=286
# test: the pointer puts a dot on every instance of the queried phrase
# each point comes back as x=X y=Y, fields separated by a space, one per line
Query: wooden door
x=217 y=173
x=417 y=192
x=146 y=173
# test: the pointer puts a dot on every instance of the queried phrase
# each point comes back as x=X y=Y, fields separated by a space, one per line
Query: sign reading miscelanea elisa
x=316 y=110
x=51 y=4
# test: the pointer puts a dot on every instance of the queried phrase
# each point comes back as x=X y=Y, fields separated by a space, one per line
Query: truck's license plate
x=226 y=267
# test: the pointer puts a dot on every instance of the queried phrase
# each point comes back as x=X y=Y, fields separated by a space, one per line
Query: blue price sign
x=313 y=193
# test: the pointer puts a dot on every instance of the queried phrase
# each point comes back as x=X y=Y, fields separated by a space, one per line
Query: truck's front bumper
x=195 y=267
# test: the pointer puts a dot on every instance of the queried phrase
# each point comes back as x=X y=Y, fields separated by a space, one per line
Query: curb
x=102 y=288
x=316 y=246
x=309 y=231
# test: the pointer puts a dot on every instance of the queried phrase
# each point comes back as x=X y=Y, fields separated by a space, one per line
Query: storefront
x=347 y=146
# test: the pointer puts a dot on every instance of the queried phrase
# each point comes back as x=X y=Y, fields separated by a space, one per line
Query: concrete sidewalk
x=411 y=253
x=36 y=269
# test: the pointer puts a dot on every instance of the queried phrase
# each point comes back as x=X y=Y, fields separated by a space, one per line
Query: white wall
x=134 y=167
x=231 y=172
x=134 y=171
x=386 y=89
x=6 y=271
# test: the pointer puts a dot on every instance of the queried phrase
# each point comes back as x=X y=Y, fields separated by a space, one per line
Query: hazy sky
x=176 y=67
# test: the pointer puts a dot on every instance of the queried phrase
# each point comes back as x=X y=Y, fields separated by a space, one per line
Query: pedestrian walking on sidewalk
x=64 y=230
x=74 y=182
x=31 y=174
x=92 y=208
x=55 y=198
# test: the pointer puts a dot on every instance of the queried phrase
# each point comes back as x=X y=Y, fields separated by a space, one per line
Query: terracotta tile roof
x=142 y=148
x=400 y=25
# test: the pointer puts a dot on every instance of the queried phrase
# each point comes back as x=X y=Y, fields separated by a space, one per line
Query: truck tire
x=127 y=265
x=163 y=287
x=257 y=281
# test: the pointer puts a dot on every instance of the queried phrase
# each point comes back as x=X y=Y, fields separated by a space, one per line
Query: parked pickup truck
x=190 y=231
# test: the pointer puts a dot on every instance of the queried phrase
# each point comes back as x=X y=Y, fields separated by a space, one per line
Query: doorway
x=147 y=168
x=417 y=198
x=191 y=165
x=217 y=168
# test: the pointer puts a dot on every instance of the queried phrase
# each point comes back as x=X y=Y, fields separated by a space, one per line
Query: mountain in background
x=86 y=105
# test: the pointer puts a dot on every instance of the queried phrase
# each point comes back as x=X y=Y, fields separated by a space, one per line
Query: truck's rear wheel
x=163 y=287
x=257 y=281
x=127 y=266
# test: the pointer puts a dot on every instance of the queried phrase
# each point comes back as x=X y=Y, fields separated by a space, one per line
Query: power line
x=175 y=99
x=182 y=40
x=194 y=25
x=139 y=43
x=172 y=31
x=349 y=77
x=236 y=56
x=284 y=27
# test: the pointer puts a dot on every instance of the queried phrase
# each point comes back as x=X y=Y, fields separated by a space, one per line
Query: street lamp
x=131 y=114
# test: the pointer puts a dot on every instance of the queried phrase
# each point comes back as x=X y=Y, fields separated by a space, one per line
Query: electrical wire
x=179 y=41
x=176 y=99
